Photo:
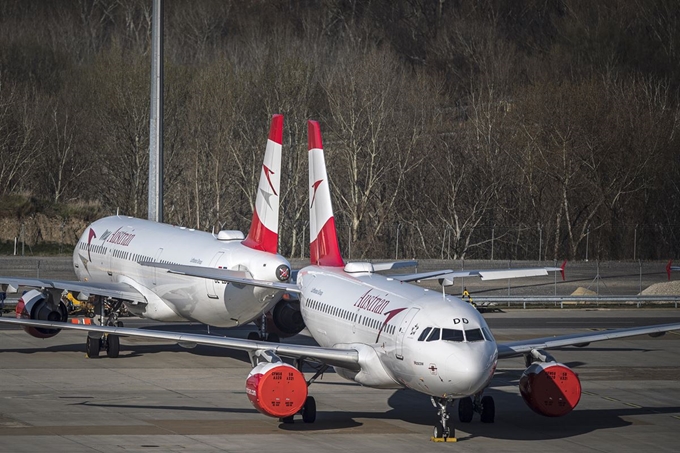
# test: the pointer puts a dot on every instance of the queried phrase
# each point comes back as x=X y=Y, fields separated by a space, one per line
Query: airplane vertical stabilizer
x=264 y=230
x=323 y=246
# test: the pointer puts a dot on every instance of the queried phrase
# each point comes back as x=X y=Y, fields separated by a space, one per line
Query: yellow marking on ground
x=676 y=416
x=589 y=393
x=633 y=405
x=609 y=398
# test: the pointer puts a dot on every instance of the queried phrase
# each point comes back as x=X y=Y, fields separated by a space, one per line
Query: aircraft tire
x=92 y=347
x=466 y=409
x=309 y=410
x=273 y=338
x=254 y=336
x=439 y=432
x=112 y=346
x=488 y=409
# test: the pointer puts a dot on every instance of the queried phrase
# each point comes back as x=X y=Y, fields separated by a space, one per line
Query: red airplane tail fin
x=323 y=247
x=264 y=229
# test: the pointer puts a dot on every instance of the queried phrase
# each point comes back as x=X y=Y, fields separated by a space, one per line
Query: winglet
x=562 y=267
x=323 y=246
x=264 y=229
x=668 y=269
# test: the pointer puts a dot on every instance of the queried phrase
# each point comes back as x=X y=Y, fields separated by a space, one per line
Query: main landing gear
x=107 y=342
x=262 y=334
x=108 y=315
x=483 y=405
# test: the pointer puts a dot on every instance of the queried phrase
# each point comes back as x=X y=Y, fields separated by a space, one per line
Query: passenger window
x=424 y=333
x=453 y=335
x=474 y=335
x=434 y=336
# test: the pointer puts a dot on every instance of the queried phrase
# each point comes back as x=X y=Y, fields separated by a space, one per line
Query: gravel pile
x=662 y=289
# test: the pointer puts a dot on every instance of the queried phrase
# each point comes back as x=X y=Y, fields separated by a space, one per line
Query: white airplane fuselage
x=385 y=319
x=111 y=249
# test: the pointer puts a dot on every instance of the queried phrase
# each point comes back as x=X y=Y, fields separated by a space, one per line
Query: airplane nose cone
x=471 y=371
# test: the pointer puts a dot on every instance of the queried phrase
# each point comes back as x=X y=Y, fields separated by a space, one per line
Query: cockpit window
x=424 y=333
x=434 y=336
x=474 y=335
x=453 y=335
x=487 y=334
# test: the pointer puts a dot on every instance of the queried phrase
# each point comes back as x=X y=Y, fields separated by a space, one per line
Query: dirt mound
x=581 y=291
x=662 y=289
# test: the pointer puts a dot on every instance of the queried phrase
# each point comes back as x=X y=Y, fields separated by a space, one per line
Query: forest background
x=497 y=129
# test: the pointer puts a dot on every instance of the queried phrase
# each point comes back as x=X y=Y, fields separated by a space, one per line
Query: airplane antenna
x=118 y=212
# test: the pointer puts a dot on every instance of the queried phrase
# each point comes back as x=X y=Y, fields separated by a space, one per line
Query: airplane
x=381 y=332
x=107 y=262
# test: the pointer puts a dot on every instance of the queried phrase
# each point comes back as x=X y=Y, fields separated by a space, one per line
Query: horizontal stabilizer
x=224 y=275
x=393 y=265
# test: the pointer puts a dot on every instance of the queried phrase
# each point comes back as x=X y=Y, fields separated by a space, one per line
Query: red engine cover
x=276 y=389
x=550 y=389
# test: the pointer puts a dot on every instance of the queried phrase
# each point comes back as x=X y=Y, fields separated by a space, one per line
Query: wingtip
x=276 y=129
x=314 y=135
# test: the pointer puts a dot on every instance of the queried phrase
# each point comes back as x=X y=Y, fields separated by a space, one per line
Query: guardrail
x=606 y=300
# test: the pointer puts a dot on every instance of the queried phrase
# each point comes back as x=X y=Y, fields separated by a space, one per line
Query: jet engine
x=38 y=306
x=276 y=389
x=285 y=319
x=549 y=388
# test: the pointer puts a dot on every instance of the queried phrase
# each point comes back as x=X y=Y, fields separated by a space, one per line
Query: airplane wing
x=115 y=290
x=517 y=348
x=224 y=275
x=484 y=274
x=346 y=358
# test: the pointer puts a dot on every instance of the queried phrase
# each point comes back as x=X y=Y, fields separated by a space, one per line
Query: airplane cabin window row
x=352 y=317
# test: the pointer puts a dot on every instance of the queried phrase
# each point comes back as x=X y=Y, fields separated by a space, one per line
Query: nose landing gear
x=442 y=431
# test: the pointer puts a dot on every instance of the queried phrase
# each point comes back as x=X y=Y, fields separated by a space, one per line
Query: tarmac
x=159 y=397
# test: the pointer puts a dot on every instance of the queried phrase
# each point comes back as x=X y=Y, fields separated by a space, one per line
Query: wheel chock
x=443 y=439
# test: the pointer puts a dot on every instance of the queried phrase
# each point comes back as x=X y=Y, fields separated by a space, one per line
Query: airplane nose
x=471 y=371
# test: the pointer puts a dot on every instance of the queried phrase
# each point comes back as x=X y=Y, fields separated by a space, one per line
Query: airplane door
x=404 y=331
x=210 y=286
x=156 y=270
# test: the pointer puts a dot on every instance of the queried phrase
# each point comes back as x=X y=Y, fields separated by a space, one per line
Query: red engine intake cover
x=276 y=389
x=550 y=389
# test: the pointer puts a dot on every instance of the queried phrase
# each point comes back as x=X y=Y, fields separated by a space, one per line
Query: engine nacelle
x=36 y=305
x=550 y=389
x=285 y=318
x=276 y=389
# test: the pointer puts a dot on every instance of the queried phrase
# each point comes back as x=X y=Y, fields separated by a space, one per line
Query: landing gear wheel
x=309 y=410
x=119 y=324
x=92 y=347
x=466 y=409
x=254 y=336
x=112 y=346
x=287 y=420
x=488 y=409
x=440 y=432
x=273 y=338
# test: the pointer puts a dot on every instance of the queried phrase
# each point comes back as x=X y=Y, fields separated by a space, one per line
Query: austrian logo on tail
x=315 y=186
